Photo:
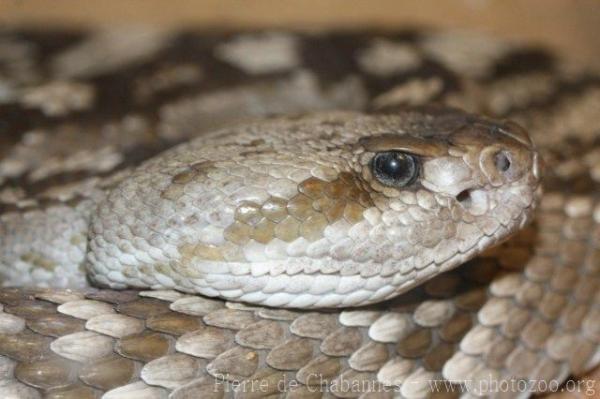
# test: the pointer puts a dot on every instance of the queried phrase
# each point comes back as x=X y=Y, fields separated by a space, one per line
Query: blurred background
x=573 y=26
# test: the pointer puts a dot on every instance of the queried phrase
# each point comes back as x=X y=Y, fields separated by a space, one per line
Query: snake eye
x=394 y=168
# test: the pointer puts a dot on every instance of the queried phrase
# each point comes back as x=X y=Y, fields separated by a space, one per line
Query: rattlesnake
x=295 y=209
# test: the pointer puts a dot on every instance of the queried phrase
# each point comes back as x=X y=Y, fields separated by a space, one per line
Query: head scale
x=336 y=209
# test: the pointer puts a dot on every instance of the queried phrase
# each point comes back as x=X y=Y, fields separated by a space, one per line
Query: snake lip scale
x=201 y=214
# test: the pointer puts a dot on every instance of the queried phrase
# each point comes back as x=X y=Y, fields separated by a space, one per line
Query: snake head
x=326 y=210
x=446 y=188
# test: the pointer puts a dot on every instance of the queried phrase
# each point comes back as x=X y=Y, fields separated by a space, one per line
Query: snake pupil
x=395 y=168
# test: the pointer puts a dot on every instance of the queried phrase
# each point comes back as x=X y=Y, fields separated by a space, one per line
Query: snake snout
x=512 y=157
x=506 y=163
x=507 y=160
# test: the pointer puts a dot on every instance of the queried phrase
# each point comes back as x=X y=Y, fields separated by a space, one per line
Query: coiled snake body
x=325 y=224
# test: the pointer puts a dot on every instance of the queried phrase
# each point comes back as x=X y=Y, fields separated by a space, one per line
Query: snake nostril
x=464 y=198
x=473 y=200
x=502 y=161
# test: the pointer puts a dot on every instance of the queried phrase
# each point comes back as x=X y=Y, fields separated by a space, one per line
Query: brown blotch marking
x=264 y=231
x=25 y=346
x=437 y=357
x=307 y=214
x=48 y=373
x=370 y=357
x=455 y=328
x=232 y=252
x=77 y=239
x=498 y=351
x=38 y=260
x=238 y=233
x=573 y=316
x=173 y=192
x=415 y=344
x=56 y=325
x=232 y=319
x=288 y=229
x=313 y=227
x=31 y=309
x=347 y=178
x=199 y=251
x=318 y=369
x=300 y=207
x=517 y=319
x=120 y=298
x=254 y=143
x=336 y=211
x=193 y=173
x=183 y=267
x=337 y=188
x=207 y=342
x=275 y=209
x=257 y=152
x=144 y=347
x=174 y=323
x=312 y=187
x=163 y=269
x=131 y=271
x=291 y=354
x=248 y=212
x=146 y=269
x=143 y=308
x=12 y=296
x=203 y=167
x=572 y=252
x=353 y=212
x=530 y=293
x=323 y=203
x=342 y=342
x=168 y=271
x=264 y=334
x=536 y=332
x=354 y=191
x=552 y=305
x=364 y=200
x=108 y=373
x=471 y=300
x=184 y=177
x=236 y=363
